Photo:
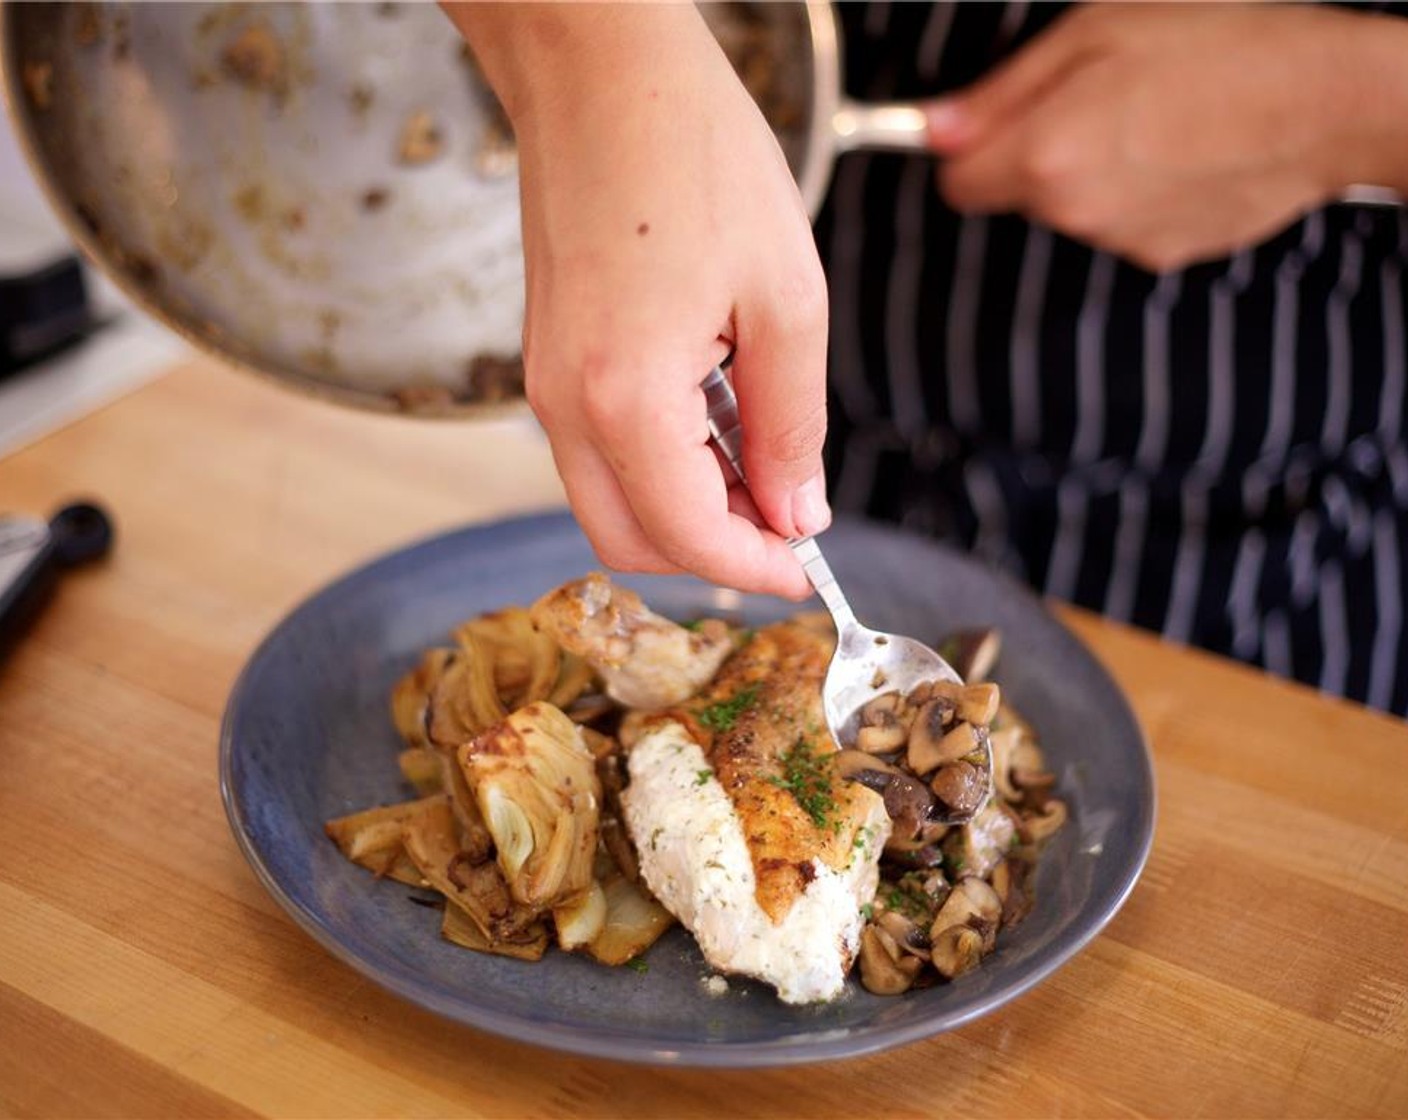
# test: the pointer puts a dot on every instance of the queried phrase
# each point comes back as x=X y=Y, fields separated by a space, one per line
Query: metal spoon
x=867 y=663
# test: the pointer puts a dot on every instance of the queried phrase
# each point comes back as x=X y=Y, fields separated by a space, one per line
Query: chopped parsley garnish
x=806 y=775
x=723 y=714
x=701 y=777
x=867 y=911
x=901 y=900
x=693 y=624
x=637 y=964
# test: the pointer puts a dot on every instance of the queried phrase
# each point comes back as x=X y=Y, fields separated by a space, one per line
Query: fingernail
x=810 y=513
x=946 y=119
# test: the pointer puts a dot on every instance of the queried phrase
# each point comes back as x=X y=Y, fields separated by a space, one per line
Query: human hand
x=1164 y=133
x=662 y=229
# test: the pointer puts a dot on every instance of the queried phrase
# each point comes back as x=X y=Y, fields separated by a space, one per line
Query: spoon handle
x=727 y=432
x=724 y=425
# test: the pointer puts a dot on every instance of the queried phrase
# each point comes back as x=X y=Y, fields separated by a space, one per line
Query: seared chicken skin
x=745 y=830
x=645 y=660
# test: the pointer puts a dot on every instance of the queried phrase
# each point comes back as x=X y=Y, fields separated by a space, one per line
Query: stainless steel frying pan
x=325 y=193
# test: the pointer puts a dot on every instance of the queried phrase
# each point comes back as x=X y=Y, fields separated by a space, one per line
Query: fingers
x=671 y=478
x=603 y=512
x=957 y=122
x=990 y=178
x=1040 y=160
x=779 y=377
x=648 y=490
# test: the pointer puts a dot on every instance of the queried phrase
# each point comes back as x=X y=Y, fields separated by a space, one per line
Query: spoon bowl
x=868 y=663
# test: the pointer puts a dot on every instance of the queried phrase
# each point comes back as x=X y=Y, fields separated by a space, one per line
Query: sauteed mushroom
x=957 y=950
x=884 y=968
x=866 y=769
x=973 y=903
x=905 y=933
x=1042 y=826
x=977 y=704
x=910 y=805
x=959 y=786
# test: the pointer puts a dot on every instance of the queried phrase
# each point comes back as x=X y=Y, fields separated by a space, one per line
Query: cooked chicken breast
x=644 y=659
x=745 y=831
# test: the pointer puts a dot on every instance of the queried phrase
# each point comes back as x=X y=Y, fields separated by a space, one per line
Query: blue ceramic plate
x=307 y=736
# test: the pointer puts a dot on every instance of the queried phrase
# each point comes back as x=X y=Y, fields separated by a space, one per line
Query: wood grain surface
x=1259 y=969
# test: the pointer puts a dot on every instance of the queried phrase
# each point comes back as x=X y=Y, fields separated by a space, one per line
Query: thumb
x=961 y=120
x=779 y=377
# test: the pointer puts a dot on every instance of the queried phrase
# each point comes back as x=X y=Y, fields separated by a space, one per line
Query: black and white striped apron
x=1217 y=454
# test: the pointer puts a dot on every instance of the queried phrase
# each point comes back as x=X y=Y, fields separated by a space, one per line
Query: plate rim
x=790 y=1051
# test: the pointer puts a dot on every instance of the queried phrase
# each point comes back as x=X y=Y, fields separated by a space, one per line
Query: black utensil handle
x=29 y=568
x=32 y=554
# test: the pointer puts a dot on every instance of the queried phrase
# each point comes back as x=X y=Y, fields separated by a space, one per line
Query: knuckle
x=1049 y=164
x=1075 y=213
x=622 y=556
x=604 y=402
x=801 y=440
x=957 y=189
x=702 y=561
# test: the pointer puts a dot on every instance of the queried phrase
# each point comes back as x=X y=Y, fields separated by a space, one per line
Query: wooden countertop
x=1260 y=967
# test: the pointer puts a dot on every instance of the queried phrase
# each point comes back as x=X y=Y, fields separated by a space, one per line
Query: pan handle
x=895 y=126
x=900 y=126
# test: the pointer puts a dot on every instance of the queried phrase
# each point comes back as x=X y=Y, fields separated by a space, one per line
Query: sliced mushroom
x=978 y=703
x=884 y=969
x=960 y=787
x=905 y=933
x=1043 y=826
x=1034 y=787
x=930 y=745
x=882 y=709
x=909 y=804
x=973 y=904
x=1009 y=883
x=869 y=771
x=919 y=695
x=883 y=737
x=1005 y=742
x=957 y=950
x=1001 y=881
